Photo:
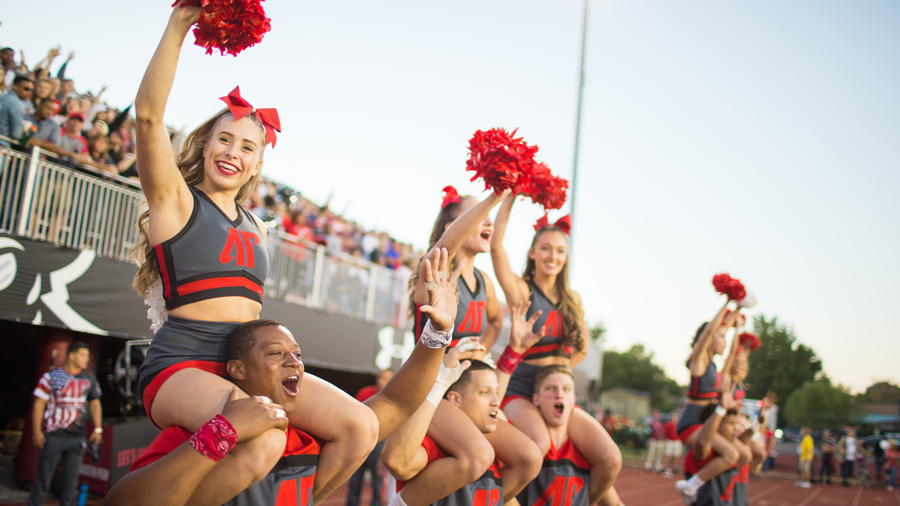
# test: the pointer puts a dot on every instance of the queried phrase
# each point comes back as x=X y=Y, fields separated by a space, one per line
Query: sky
x=756 y=138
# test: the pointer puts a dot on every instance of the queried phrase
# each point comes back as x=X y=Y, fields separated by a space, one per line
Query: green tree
x=820 y=405
x=635 y=369
x=781 y=364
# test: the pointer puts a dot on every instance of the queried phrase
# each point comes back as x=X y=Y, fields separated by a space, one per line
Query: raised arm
x=162 y=183
x=699 y=358
x=521 y=338
x=403 y=454
x=406 y=390
x=514 y=288
x=457 y=233
x=738 y=320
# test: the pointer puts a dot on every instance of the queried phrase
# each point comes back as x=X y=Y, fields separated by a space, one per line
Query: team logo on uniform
x=474 y=319
x=239 y=246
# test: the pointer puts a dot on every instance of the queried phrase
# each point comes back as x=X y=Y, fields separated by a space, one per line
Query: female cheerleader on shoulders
x=209 y=254
x=705 y=388
x=464 y=228
x=545 y=284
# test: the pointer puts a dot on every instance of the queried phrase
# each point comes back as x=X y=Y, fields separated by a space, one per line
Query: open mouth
x=292 y=385
x=486 y=234
x=494 y=415
x=558 y=408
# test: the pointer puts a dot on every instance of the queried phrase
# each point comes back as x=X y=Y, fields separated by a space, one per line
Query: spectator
x=98 y=151
x=64 y=398
x=8 y=62
x=12 y=109
x=892 y=457
x=847 y=449
x=806 y=452
x=72 y=141
x=656 y=443
x=41 y=91
x=45 y=130
x=673 y=445
x=826 y=467
x=68 y=108
x=124 y=160
x=608 y=421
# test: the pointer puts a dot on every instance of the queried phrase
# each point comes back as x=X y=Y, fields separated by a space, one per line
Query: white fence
x=84 y=209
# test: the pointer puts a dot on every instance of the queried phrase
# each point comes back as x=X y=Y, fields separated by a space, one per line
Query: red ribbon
x=450 y=196
x=240 y=108
x=564 y=223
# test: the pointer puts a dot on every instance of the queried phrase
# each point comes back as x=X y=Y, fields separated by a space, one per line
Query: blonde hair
x=569 y=302
x=190 y=164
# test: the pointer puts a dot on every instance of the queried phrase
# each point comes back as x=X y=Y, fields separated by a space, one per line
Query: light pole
x=574 y=185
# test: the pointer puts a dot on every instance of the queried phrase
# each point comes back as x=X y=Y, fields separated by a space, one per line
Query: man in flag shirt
x=62 y=399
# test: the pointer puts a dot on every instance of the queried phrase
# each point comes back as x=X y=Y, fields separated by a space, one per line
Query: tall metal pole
x=574 y=185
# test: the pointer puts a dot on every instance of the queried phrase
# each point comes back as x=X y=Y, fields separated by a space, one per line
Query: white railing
x=84 y=209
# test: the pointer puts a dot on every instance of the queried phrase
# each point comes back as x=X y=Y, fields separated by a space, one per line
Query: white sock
x=694 y=483
x=397 y=501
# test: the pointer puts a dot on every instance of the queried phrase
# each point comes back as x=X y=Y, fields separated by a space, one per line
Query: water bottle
x=82 y=494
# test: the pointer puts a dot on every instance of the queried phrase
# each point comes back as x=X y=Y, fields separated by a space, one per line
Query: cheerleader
x=464 y=228
x=545 y=284
x=205 y=256
x=704 y=390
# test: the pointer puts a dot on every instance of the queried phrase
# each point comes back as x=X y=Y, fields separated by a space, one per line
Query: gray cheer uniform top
x=471 y=311
x=213 y=256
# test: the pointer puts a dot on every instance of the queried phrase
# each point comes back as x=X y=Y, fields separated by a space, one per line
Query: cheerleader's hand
x=521 y=336
x=441 y=288
x=184 y=16
x=252 y=416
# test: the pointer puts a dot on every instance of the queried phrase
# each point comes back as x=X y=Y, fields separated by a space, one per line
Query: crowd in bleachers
x=38 y=108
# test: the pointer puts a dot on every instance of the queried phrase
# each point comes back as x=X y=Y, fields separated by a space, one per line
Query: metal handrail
x=84 y=209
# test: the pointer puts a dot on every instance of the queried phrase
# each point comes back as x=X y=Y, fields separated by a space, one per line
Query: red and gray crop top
x=551 y=345
x=471 y=311
x=706 y=387
x=213 y=256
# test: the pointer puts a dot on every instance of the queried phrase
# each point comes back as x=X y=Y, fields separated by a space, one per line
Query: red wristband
x=509 y=360
x=215 y=439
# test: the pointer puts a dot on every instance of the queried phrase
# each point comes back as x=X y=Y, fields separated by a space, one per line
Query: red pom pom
x=501 y=160
x=546 y=189
x=749 y=341
x=731 y=287
x=229 y=25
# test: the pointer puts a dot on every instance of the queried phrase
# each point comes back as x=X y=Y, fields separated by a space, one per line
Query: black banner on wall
x=43 y=284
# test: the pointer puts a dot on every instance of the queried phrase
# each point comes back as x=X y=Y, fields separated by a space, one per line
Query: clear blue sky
x=756 y=138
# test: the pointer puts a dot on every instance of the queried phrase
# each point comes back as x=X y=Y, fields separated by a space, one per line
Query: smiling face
x=273 y=367
x=233 y=153
x=555 y=398
x=549 y=252
x=479 y=400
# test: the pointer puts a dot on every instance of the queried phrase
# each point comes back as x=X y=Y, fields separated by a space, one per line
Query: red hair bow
x=450 y=196
x=564 y=223
x=240 y=108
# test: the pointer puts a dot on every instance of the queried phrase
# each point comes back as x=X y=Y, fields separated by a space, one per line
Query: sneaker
x=687 y=496
x=805 y=484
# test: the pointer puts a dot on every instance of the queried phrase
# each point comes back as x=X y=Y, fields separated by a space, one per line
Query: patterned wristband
x=509 y=360
x=215 y=439
x=435 y=339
